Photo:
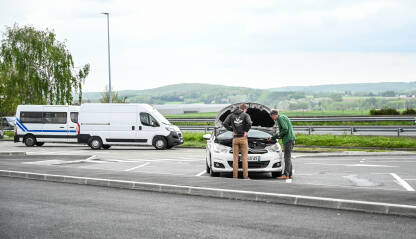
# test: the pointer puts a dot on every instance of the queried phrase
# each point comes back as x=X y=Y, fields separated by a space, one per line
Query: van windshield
x=160 y=117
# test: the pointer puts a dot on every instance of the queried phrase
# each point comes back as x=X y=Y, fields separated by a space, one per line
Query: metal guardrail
x=310 y=129
x=318 y=119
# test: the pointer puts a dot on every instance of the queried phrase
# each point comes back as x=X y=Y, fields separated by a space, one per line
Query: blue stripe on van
x=20 y=124
x=17 y=123
x=17 y=120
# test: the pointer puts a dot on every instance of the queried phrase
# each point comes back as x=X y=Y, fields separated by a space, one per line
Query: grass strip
x=194 y=139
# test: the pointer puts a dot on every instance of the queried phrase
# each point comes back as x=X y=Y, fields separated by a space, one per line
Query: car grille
x=254 y=151
x=262 y=164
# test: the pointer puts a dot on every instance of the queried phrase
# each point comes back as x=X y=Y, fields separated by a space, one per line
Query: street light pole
x=109 y=65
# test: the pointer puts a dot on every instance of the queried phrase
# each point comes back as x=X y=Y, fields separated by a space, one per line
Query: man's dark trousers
x=288 y=157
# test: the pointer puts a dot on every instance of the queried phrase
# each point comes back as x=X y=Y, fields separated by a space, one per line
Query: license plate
x=251 y=158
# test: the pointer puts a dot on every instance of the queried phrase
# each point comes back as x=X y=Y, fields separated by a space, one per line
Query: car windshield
x=160 y=117
x=251 y=134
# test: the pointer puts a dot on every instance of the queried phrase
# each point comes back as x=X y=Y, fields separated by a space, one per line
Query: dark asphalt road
x=33 y=209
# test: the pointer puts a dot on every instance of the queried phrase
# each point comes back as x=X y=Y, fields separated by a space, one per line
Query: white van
x=37 y=124
x=103 y=125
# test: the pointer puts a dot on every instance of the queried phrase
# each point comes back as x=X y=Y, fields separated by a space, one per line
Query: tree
x=36 y=68
x=105 y=96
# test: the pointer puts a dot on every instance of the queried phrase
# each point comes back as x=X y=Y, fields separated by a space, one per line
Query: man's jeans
x=240 y=144
x=288 y=157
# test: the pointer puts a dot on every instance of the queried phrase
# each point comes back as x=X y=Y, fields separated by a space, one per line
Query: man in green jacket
x=288 y=138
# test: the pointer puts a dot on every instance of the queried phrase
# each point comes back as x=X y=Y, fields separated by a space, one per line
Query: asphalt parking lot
x=380 y=172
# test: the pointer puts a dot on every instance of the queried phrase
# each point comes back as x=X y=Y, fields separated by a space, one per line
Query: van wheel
x=95 y=143
x=106 y=146
x=169 y=147
x=160 y=143
x=40 y=143
x=29 y=141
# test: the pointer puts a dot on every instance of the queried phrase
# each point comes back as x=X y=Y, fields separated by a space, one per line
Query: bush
x=384 y=111
x=409 y=112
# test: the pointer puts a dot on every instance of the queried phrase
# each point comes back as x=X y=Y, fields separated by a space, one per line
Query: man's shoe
x=290 y=177
x=282 y=177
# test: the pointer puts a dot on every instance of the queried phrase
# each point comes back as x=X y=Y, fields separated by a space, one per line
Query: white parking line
x=130 y=169
x=402 y=182
x=355 y=165
x=199 y=174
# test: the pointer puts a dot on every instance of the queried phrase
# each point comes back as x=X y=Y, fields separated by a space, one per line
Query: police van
x=37 y=124
x=104 y=125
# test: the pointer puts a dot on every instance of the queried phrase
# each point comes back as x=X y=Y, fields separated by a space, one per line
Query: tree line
x=36 y=68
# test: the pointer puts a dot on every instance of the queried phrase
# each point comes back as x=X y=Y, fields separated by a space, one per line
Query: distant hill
x=360 y=87
x=198 y=93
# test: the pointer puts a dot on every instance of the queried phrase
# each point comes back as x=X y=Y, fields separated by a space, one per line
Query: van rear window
x=31 y=117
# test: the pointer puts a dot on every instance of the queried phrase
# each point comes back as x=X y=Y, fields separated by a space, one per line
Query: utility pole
x=109 y=65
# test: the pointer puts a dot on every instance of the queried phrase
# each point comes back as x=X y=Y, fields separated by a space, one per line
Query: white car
x=263 y=155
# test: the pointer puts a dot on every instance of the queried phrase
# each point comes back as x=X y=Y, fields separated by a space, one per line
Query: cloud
x=235 y=42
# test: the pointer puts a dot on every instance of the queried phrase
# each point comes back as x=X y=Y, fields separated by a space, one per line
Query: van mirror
x=155 y=124
x=207 y=136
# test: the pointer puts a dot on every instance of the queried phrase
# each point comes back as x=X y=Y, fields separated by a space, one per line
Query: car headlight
x=218 y=148
x=273 y=148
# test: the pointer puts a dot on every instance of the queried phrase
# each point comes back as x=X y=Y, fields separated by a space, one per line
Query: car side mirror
x=207 y=136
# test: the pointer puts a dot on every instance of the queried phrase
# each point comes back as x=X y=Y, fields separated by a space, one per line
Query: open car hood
x=260 y=115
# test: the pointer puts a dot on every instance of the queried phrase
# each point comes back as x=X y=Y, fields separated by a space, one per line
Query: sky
x=250 y=43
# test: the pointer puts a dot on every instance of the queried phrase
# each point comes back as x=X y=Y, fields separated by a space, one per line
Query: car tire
x=95 y=143
x=160 y=143
x=30 y=141
x=40 y=143
x=276 y=174
x=208 y=170
x=106 y=146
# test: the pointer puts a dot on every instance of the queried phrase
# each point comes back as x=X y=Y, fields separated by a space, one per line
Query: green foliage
x=36 y=68
x=105 y=96
x=409 y=112
x=384 y=111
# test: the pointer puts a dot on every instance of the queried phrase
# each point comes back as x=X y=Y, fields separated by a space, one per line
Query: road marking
x=140 y=166
x=402 y=182
x=201 y=173
x=356 y=165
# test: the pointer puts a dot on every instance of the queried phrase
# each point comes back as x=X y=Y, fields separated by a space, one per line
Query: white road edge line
x=402 y=182
x=199 y=174
x=130 y=169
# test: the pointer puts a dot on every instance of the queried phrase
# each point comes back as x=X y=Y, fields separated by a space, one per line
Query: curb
x=297 y=200
x=12 y=153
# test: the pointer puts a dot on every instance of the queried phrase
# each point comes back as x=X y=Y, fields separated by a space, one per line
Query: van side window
x=31 y=117
x=147 y=120
x=54 y=117
x=74 y=117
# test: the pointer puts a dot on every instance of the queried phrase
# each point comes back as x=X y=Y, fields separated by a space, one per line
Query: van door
x=149 y=127
x=55 y=127
x=72 y=127
x=122 y=129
